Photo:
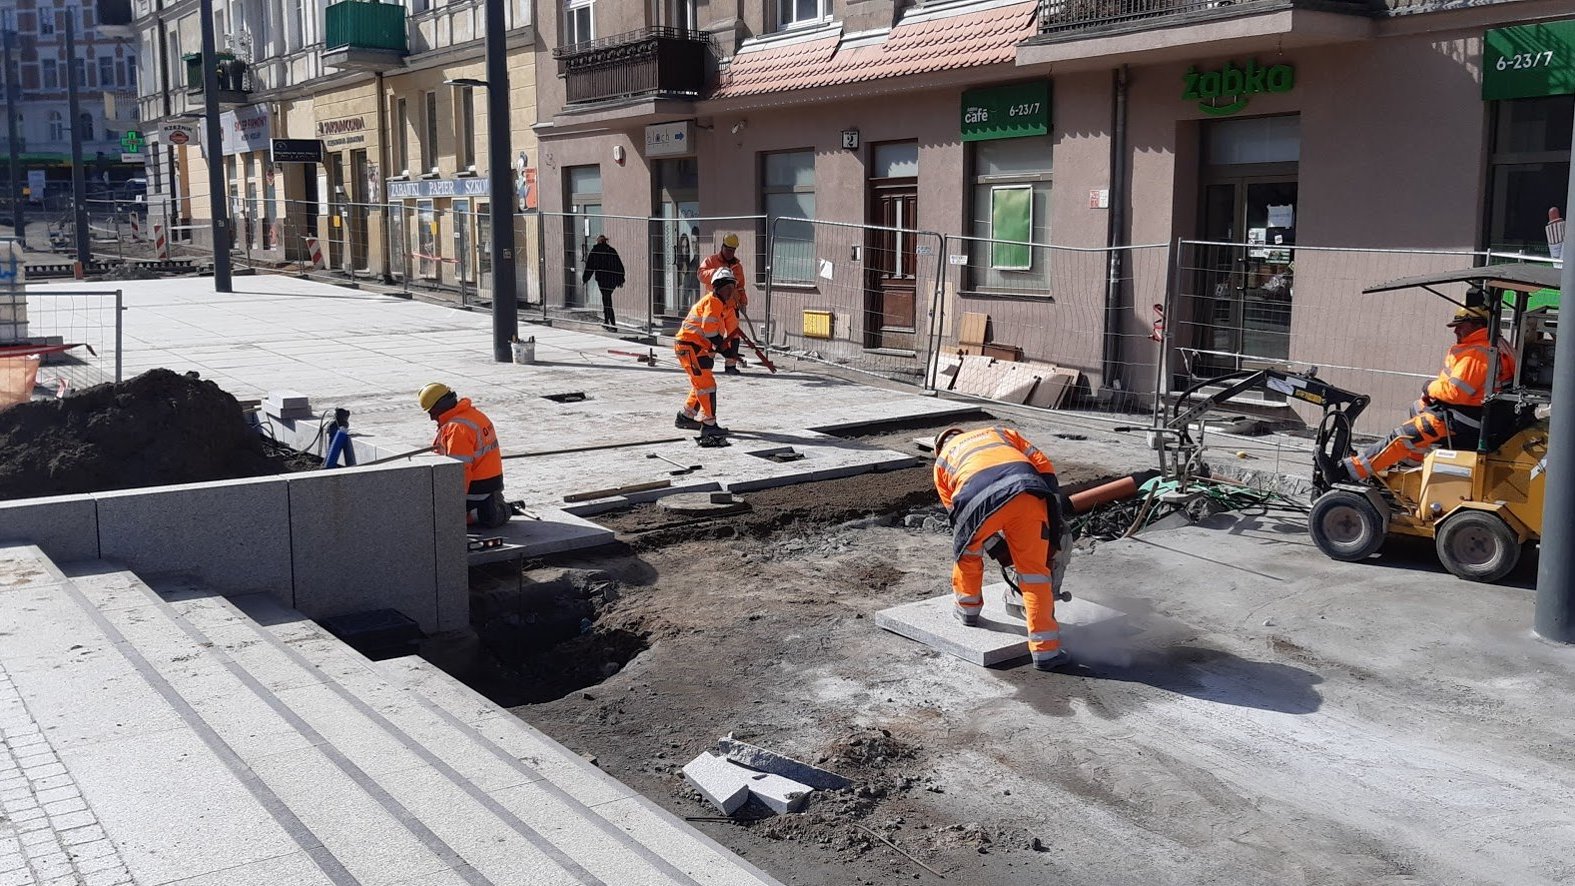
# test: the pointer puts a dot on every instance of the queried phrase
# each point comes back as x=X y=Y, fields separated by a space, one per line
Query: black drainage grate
x=570 y=397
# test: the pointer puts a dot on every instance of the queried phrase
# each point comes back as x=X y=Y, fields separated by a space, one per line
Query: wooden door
x=891 y=298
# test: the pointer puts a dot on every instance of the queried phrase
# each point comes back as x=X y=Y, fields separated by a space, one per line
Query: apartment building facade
x=106 y=68
x=384 y=165
x=1411 y=126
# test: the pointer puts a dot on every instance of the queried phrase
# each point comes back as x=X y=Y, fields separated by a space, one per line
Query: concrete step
x=511 y=738
x=124 y=779
x=371 y=796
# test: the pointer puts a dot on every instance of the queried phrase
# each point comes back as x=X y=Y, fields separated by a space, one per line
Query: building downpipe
x=1116 y=235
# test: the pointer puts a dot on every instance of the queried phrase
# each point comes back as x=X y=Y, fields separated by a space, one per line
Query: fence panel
x=1050 y=307
x=1249 y=305
x=855 y=296
x=87 y=317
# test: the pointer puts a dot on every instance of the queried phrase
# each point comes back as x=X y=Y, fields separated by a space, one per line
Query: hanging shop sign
x=178 y=133
x=1006 y=111
x=1529 y=61
x=245 y=129
x=1226 y=91
x=670 y=139
x=297 y=150
x=439 y=187
x=343 y=132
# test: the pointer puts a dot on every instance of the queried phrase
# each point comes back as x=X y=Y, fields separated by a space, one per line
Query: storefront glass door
x=677 y=202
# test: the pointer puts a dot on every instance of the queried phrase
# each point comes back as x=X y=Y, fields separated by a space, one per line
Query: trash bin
x=525 y=351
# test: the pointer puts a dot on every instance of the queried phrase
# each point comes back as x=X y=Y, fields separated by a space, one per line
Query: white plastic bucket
x=525 y=351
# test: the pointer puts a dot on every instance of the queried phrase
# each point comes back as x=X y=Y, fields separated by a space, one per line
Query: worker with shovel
x=994 y=482
x=702 y=336
x=726 y=259
x=465 y=433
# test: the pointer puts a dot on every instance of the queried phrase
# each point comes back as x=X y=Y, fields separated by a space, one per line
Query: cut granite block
x=999 y=638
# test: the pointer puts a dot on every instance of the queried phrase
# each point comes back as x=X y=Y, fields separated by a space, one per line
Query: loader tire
x=1345 y=525
x=1477 y=546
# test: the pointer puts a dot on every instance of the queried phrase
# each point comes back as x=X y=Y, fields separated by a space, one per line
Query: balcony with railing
x=1127 y=22
x=669 y=63
x=359 y=35
x=234 y=76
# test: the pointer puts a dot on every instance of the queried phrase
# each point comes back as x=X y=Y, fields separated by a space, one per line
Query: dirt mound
x=156 y=429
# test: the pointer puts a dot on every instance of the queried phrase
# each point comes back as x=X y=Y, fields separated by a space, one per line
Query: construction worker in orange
x=703 y=335
x=994 y=482
x=727 y=257
x=465 y=433
x=1451 y=405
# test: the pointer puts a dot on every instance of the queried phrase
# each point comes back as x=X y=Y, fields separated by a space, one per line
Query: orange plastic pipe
x=1115 y=490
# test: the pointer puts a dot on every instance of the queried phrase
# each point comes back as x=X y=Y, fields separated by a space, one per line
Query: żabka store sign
x=1224 y=92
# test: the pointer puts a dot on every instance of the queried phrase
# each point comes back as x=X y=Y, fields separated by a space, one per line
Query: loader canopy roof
x=1540 y=281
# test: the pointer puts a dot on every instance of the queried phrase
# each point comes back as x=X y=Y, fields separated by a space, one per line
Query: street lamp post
x=214 y=151
x=18 y=219
x=78 y=177
x=1555 y=613
x=505 y=304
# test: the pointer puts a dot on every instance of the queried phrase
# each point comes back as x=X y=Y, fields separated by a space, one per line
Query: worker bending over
x=1451 y=405
x=703 y=335
x=727 y=257
x=994 y=482
x=465 y=433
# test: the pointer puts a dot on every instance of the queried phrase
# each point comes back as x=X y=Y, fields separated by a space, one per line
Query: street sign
x=297 y=150
x=131 y=142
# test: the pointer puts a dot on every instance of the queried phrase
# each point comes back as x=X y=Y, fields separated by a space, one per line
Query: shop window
x=1010 y=211
x=579 y=22
x=465 y=126
x=429 y=133
x=789 y=193
x=797 y=13
x=1529 y=172
x=402 y=136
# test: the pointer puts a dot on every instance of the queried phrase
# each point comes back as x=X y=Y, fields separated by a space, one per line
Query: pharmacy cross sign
x=131 y=142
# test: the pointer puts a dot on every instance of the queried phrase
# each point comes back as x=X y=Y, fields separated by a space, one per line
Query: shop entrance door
x=337 y=198
x=891 y=260
x=358 y=210
x=1247 y=285
x=675 y=284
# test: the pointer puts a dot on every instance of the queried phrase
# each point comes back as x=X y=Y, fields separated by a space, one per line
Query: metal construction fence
x=661 y=258
x=66 y=340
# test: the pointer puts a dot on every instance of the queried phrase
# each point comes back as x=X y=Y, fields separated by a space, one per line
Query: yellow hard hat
x=431 y=394
x=943 y=436
x=1471 y=315
x=730 y=241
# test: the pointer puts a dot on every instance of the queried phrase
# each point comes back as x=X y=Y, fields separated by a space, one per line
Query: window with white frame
x=788 y=192
x=57 y=126
x=579 y=22
x=796 y=13
x=429 y=132
x=296 y=35
x=46 y=22
x=1010 y=211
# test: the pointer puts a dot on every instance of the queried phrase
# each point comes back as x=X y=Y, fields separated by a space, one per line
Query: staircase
x=177 y=736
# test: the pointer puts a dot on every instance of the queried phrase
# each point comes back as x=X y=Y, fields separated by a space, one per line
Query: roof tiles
x=937 y=44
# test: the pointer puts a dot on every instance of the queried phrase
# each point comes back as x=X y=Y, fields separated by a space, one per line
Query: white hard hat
x=722 y=275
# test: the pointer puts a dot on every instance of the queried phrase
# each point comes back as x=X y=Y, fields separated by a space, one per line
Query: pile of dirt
x=153 y=430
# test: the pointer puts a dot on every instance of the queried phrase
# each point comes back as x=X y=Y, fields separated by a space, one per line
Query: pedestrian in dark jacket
x=604 y=264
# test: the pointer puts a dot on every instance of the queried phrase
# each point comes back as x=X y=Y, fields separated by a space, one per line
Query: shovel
x=682 y=468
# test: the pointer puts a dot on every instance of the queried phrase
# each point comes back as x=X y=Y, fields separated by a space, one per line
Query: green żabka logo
x=1236 y=84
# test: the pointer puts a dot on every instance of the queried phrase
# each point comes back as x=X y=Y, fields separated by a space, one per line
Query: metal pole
x=213 y=150
x=505 y=303
x=1555 y=616
x=18 y=219
x=120 y=331
x=78 y=178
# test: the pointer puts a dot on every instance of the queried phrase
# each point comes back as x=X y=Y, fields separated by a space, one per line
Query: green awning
x=1529 y=61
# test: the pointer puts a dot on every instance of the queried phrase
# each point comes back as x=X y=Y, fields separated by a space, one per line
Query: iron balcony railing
x=357 y=24
x=659 y=62
x=1061 y=16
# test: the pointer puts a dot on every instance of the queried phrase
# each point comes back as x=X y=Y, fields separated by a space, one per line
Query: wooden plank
x=973 y=328
x=1011 y=353
x=618 y=490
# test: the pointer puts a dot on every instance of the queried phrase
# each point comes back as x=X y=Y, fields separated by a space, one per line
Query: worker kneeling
x=994 y=482
x=1451 y=405
x=465 y=433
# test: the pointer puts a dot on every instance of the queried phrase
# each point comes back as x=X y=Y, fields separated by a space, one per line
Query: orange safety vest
x=710 y=267
x=466 y=433
x=707 y=319
x=977 y=472
x=1463 y=382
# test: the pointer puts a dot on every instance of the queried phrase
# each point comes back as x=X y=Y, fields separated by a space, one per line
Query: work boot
x=687 y=422
x=1054 y=663
x=969 y=619
x=712 y=430
x=732 y=370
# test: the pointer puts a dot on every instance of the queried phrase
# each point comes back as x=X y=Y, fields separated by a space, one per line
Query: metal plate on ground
x=1000 y=638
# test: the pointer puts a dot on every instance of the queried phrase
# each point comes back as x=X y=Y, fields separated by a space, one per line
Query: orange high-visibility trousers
x=702 y=382
x=1025 y=523
x=1410 y=442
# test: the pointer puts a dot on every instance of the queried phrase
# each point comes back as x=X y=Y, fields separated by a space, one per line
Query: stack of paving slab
x=172 y=735
x=739 y=771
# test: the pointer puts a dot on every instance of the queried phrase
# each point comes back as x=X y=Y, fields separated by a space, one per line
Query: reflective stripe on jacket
x=1464 y=379
x=979 y=471
x=706 y=320
x=465 y=433
x=710 y=266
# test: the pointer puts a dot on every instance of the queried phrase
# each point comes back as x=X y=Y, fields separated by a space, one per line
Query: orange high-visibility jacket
x=466 y=433
x=1464 y=379
x=710 y=266
x=706 y=320
x=979 y=471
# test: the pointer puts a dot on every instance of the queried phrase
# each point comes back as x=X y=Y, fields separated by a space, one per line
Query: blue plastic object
x=341 y=445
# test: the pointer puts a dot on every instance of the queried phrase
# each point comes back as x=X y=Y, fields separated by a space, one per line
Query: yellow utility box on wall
x=817 y=324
